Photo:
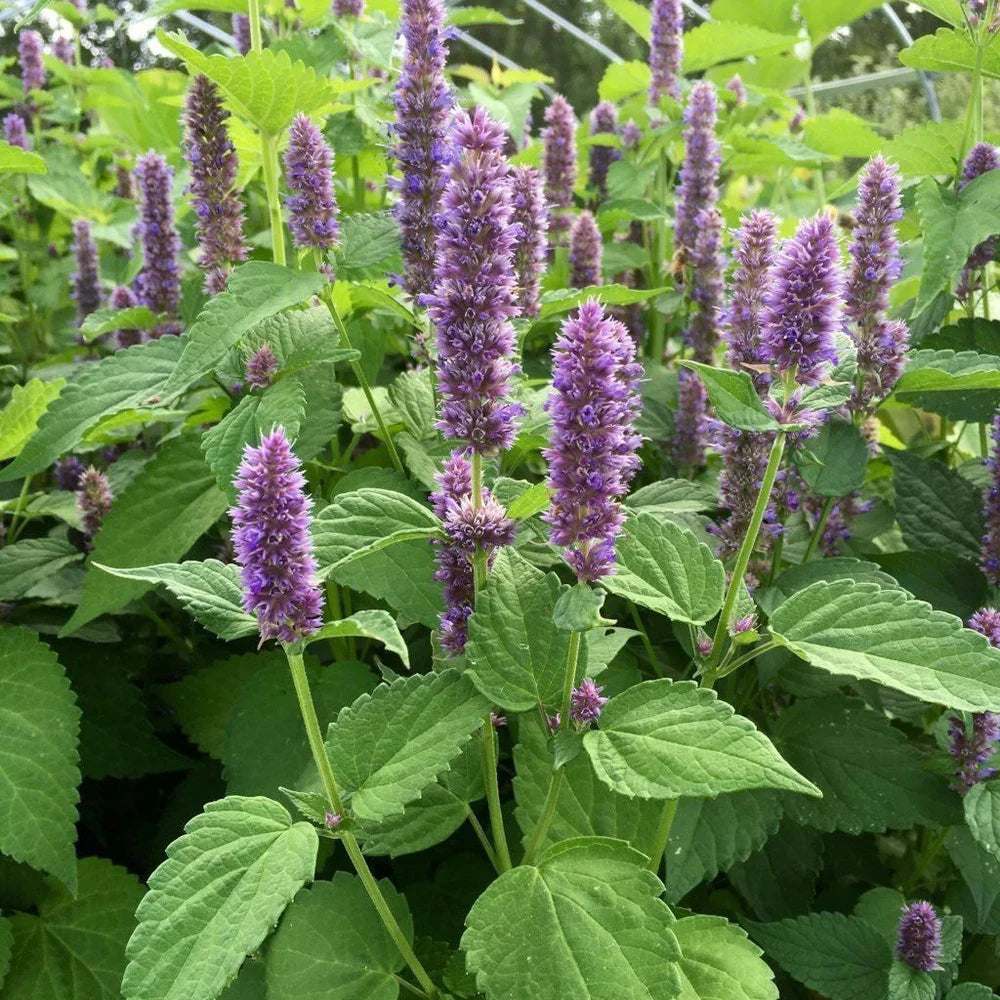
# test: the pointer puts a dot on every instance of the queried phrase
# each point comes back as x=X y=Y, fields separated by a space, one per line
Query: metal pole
x=572 y=29
x=933 y=106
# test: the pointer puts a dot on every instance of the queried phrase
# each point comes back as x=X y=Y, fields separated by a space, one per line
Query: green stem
x=819 y=529
x=269 y=163
x=644 y=635
x=734 y=665
x=810 y=101
x=746 y=549
x=984 y=440
x=313 y=733
x=973 y=114
x=479 y=567
x=363 y=381
x=662 y=834
x=253 y=10
x=480 y=833
x=545 y=820
x=572 y=658
x=658 y=251
x=489 y=755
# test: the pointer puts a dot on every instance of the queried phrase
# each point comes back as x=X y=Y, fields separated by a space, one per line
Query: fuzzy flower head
x=972 y=747
x=666 y=49
x=531 y=221
x=29 y=53
x=631 y=135
x=603 y=121
x=737 y=88
x=424 y=109
x=585 y=252
x=698 y=189
x=14 y=131
x=473 y=299
x=124 y=182
x=982 y=159
x=559 y=161
x=122 y=297
x=241 y=33
x=158 y=284
x=989 y=557
x=312 y=205
x=261 y=368
x=62 y=49
x=586 y=703
x=802 y=309
x=986 y=621
x=272 y=541
x=214 y=165
x=592 y=455
x=86 y=280
x=918 y=937
x=93 y=499
x=348 y=8
x=67 y=472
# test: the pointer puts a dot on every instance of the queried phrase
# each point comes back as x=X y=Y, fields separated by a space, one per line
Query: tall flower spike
x=473 y=299
x=586 y=703
x=972 y=747
x=918 y=937
x=214 y=165
x=531 y=246
x=158 y=284
x=67 y=472
x=559 y=162
x=592 y=455
x=122 y=297
x=241 y=33
x=803 y=305
x=86 y=280
x=585 y=252
x=875 y=267
x=62 y=48
x=424 y=108
x=29 y=53
x=312 y=205
x=348 y=8
x=981 y=160
x=93 y=499
x=260 y=368
x=14 y=131
x=124 y=182
x=603 y=121
x=666 y=49
x=272 y=542
x=737 y=88
x=699 y=176
x=989 y=559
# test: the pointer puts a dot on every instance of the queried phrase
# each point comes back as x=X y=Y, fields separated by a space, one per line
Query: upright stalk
x=662 y=834
x=313 y=733
x=253 y=10
x=817 y=534
x=269 y=164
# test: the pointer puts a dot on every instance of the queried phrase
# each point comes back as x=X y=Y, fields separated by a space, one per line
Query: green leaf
x=389 y=746
x=585 y=922
x=363 y=522
x=718 y=960
x=14 y=160
x=20 y=416
x=6 y=941
x=210 y=592
x=29 y=561
x=623 y=80
x=299 y=338
x=775 y=15
x=664 y=740
x=413 y=396
x=350 y=953
x=74 y=949
x=797 y=578
x=39 y=771
x=265 y=87
x=971 y=991
x=127 y=380
x=718 y=41
x=516 y=656
x=982 y=814
x=532 y=501
x=838 y=132
x=213 y=901
x=734 y=398
x=822 y=16
x=950 y=50
x=667 y=569
x=906 y=983
x=872 y=778
x=841 y=957
x=864 y=631
x=963 y=385
x=930 y=148
x=375 y=624
x=255 y=291
x=680 y=496
x=978 y=899
x=636 y=16
x=366 y=240
x=564 y=300
x=103 y=321
x=947 y=10
x=161 y=514
x=834 y=463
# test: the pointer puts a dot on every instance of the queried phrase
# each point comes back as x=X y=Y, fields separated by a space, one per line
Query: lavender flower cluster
x=559 y=163
x=311 y=203
x=982 y=159
x=158 y=284
x=531 y=221
x=666 y=49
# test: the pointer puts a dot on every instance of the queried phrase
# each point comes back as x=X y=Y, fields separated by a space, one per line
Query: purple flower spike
x=666 y=49
x=29 y=53
x=260 y=369
x=737 y=88
x=699 y=176
x=603 y=121
x=802 y=309
x=348 y=8
x=592 y=457
x=241 y=33
x=473 y=299
x=14 y=131
x=586 y=703
x=559 y=162
x=918 y=937
x=272 y=542
x=981 y=160
x=989 y=559
x=585 y=252
x=986 y=621
x=93 y=499
x=124 y=182
x=86 y=280
x=465 y=527
x=62 y=48
x=691 y=423
x=67 y=472
x=631 y=135
x=424 y=108
x=530 y=247
x=972 y=750
x=312 y=205
x=158 y=284
x=214 y=165
x=122 y=297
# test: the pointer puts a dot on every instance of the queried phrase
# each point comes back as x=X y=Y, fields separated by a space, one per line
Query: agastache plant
x=918 y=937
x=241 y=33
x=698 y=189
x=93 y=500
x=529 y=216
x=311 y=203
x=982 y=159
x=989 y=552
x=666 y=49
x=158 y=284
x=348 y=8
x=603 y=121
x=585 y=252
x=86 y=279
x=29 y=53
x=14 y=131
x=559 y=163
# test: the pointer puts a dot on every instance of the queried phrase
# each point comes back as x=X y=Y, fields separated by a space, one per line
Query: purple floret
x=312 y=205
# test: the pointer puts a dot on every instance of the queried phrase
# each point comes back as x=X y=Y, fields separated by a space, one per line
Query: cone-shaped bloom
x=14 y=131
x=586 y=703
x=666 y=49
x=803 y=305
x=86 y=279
x=241 y=33
x=348 y=8
x=699 y=176
x=473 y=298
x=559 y=161
x=261 y=367
x=312 y=205
x=981 y=160
x=465 y=527
x=986 y=621
x=603 y=121
x=971 y=747
x=737 y=88
x=989 y=559
x=531 y=245
x=272 y=541
x=875 y=267
x=631 y=135
x=585 y=252
x=424 y=108
x=122 y=297
x=93 y=499
x=124 y=182
x=67 y=472
x=918 y=937
x=62 y=48
x=158 y=284
x=29 y=53
x=214 y=165
x=592 y=455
